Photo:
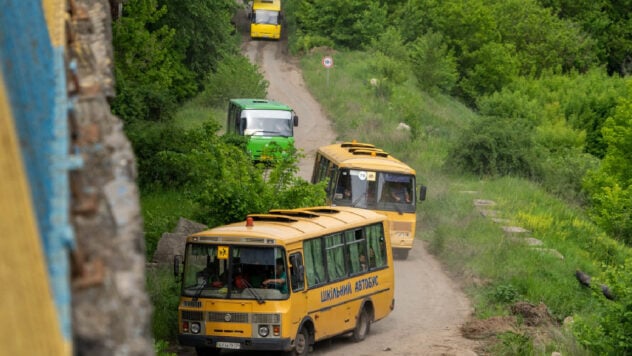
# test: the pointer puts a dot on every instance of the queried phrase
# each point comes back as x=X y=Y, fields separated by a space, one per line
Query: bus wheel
x=301 y=343
x=207 y=351
x=363 y=326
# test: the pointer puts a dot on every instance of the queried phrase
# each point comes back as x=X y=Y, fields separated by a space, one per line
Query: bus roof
x=290 y=225
x=273 y=5
x=260 y=104
x=364 y=156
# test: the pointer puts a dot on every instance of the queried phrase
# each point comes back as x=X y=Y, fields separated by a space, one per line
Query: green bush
x=610 y=332
x=235 y=77
x=239 y=188
x=433 y=64
x=495 y=147
x=164 y=295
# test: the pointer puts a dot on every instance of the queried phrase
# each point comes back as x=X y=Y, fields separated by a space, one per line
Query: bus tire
x=207 y=351
x=301 y=344
x=363 y=326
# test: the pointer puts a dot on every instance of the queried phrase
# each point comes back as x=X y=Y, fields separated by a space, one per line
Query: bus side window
x=297 y=272
x=314 y=264
x=377 y=247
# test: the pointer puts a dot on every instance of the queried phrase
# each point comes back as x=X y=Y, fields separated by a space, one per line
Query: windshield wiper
x=199 y=291
x=252 y=291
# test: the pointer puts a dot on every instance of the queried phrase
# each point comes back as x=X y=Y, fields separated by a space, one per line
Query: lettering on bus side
x=346 y=289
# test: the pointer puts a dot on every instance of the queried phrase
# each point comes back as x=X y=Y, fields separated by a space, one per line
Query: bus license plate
x=228 y=345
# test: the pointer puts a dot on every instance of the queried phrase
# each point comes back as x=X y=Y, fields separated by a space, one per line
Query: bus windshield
x=375 y=190
x=266 y=17
x=268 y=123
x=234 y=272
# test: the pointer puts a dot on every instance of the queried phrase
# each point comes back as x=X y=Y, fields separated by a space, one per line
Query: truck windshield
x=234 y=272
x=375 y=190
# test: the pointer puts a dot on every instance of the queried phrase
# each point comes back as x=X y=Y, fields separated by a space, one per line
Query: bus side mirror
x=422 y=192
x=295 y=120
x=177 y=261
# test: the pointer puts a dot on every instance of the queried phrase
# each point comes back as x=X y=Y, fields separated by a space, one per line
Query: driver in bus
x=280 y=282
x=399 y=193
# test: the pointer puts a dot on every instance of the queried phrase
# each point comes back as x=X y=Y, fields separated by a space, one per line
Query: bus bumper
x=244 y=343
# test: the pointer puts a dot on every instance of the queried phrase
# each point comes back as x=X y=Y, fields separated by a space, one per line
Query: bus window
x=297 y=272
x=334 y=246
x=314 y=262
x=377 y=247
x=356 y=251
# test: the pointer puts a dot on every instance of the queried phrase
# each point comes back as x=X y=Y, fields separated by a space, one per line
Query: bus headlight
x=264 y=330
x=195 y=328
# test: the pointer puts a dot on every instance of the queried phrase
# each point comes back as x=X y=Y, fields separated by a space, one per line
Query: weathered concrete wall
x=111 y=309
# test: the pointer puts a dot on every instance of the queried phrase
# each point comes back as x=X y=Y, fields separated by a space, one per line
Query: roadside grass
x=193 y=114
x=494 y=267
x=161 y=210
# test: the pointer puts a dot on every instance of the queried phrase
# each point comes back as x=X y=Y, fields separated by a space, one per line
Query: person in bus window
x=280 y=282
x=364 y=265
x=399 y=193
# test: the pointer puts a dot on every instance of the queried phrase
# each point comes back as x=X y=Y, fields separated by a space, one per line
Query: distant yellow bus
x=364 y=176
x=265 y=19
x=284 y=280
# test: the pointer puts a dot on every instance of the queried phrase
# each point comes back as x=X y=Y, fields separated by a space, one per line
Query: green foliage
x=239 y=188
x=492 y=66
x=515 y=344
x=569 y=111
x=235 y=77
x=606 y=21
x=506 y=294
x=161 y=346
x=609 y=332
x=204 y=32
x=542 y=41
x=432 y=63
x=305 y=42
x=494 y=147
x=161 y=210
x=610 y=187
x=150 y=76
x=164 y=295
x=349 y=23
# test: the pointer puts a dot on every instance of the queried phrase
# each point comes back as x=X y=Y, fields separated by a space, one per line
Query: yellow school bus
x=284 y=280
x=364 y=176
x=265 y=19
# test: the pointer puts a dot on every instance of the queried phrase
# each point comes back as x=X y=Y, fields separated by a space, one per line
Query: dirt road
x=429 y=307
x=287 y=86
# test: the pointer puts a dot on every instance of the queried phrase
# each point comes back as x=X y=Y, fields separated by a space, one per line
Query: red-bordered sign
x=328 y=62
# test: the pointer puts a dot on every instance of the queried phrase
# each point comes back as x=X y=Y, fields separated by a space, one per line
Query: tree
x=204 y=32
x=150 y=77
x=610 y=187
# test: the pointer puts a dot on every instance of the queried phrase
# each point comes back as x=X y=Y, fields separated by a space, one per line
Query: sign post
x=328 y=62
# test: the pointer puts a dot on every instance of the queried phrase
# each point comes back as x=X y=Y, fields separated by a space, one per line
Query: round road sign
x=328 y=62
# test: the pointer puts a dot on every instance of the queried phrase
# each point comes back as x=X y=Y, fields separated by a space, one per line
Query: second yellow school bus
x=265 y=19
x=364 y=176
x=284 y=280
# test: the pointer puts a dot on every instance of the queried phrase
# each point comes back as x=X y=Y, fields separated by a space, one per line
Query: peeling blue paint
x=35 y=77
